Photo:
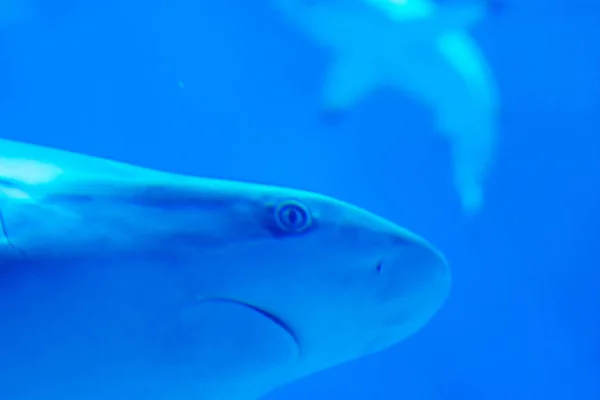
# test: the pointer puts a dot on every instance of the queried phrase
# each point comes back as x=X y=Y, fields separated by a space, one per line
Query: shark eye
x=292 y=217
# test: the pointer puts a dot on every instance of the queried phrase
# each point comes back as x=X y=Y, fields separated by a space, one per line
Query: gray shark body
x=128 y=283
x=421 y=49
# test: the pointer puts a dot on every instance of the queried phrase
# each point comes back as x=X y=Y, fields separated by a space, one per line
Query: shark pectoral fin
x=349 y=79
x=234 y=348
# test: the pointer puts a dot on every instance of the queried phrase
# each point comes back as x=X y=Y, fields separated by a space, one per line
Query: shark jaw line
x=266 y=314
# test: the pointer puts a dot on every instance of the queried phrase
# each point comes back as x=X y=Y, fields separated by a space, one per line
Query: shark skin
x=122 y=282
x=421 y=49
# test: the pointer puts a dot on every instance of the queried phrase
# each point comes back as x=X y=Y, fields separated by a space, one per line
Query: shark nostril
x=379 y=266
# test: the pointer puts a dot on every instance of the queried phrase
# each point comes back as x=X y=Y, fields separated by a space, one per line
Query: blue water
x=227 y=89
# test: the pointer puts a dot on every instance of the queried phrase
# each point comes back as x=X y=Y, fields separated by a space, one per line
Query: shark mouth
x=276 y=320
x=266 y=314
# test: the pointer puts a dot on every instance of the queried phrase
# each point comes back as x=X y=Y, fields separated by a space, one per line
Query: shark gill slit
x=4 y=232
x=4 y=183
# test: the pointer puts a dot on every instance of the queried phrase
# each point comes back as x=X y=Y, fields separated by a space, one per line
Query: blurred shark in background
x=419 y=47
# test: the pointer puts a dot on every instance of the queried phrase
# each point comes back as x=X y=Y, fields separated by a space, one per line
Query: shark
x=124 y=282
x=421 y=48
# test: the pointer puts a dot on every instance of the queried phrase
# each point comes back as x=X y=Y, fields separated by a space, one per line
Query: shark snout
x=419 y=256
x=417 y=279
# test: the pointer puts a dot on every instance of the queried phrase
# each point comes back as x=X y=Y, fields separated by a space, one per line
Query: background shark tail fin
x=473 y=150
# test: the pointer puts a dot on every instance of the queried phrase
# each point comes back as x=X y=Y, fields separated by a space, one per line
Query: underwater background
x=229 y=90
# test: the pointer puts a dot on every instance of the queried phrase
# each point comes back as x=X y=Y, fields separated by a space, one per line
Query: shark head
x=341 y=281
x=257 y=285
